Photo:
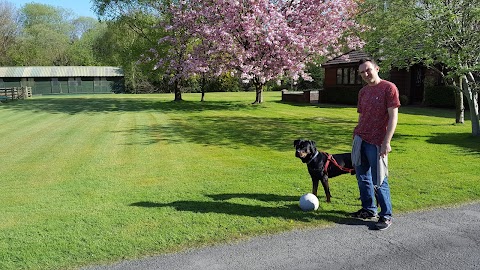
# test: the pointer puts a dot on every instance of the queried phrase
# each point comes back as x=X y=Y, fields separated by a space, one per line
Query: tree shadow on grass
x=469 y=143
x=94 y=104
x=318 y=105
x=431 y=112
x=225 y=130
x=253 y=196
x=464 y=140
x=221 y=205
x=236 y=132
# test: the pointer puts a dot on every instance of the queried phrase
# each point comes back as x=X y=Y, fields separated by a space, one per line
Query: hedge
x=340 y=95
x=440 y=96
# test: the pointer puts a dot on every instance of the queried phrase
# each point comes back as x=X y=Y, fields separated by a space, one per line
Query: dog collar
x=314 y=156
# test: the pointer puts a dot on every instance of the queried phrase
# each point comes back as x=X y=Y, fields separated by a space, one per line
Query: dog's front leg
x=326 y=187
x=314 y=186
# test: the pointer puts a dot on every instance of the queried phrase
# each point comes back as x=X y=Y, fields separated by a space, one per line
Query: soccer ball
x=309 y=202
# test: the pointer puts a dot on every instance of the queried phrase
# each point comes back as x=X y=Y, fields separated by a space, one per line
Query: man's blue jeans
x=365 y=173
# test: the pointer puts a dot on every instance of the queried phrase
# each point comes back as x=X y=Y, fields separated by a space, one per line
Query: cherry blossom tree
x=261 y=40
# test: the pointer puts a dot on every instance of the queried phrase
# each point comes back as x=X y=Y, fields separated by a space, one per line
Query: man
x=378 y=104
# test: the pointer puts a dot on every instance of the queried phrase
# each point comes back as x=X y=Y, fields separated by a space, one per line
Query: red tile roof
x=347 y=58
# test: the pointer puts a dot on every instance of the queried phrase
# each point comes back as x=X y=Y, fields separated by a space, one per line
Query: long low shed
x=46 y=80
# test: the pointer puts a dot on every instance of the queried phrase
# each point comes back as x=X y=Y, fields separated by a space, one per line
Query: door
x=417 y=87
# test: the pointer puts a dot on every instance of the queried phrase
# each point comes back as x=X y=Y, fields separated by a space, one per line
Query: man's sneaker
x=364 y=214
x=383 y=224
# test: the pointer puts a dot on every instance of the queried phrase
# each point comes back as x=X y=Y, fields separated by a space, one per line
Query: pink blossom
x=262 y=40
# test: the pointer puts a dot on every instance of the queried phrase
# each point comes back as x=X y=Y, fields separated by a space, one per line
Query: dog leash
x=331 y=159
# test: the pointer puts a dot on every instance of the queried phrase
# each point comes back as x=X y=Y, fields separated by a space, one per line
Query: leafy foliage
x=132 y=30
x=30 y=33
x=430 y=32
x=8 y=30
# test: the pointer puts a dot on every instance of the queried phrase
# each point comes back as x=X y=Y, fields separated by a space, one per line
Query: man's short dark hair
x=367 y=59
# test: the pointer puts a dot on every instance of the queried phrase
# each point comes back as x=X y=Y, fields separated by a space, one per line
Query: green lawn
x=96 y=179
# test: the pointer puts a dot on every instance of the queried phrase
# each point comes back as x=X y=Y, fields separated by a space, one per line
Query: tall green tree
x=132 y=30
x=44 y=27
x=49 y=35
x=82 y=25
x=441 y=34
x=84 y=41
x=120 y=45
x=41 y=46
x=8 y=30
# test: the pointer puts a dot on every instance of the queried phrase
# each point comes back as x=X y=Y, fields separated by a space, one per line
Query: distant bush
x=224 y=83
x=440 y=96
x=340 y=95
x=404 y=100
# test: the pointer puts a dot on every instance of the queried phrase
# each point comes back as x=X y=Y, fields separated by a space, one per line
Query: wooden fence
x=12 y=93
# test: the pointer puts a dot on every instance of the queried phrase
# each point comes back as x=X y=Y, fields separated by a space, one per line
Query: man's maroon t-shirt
x=373 y=104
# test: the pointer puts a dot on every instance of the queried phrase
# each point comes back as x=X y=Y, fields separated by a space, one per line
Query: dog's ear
x=313 y=146
x=296 y=142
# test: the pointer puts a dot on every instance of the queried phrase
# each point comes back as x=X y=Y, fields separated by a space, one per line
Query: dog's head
x=304 y=149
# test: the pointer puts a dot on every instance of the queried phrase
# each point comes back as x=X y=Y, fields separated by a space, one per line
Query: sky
x=78 y=7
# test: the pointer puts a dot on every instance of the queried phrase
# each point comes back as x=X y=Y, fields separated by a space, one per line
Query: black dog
x=322 y=165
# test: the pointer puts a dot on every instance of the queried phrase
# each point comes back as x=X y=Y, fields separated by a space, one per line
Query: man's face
x=369 y=72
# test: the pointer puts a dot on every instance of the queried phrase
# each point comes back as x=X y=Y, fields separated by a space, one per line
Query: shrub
x=440 y=96
x=404 y=100
x=340 y=95
x=224 y=83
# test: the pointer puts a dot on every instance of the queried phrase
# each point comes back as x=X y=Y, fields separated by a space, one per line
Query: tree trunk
x=134 y=84
x=259 y=93
x=178 y=93
x=459 y=108
x=202 y=87
x=475 y=117
x=472 y=98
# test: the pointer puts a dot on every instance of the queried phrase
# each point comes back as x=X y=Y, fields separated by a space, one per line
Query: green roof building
x=45 y=80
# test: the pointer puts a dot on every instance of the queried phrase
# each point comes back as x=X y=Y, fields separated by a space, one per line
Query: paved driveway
x=437 y=240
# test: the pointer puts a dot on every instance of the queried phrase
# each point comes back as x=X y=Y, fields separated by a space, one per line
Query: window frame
x=348 y=76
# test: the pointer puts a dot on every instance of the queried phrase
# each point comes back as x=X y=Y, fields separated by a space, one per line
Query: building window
x=339 y=75
x=347 y=76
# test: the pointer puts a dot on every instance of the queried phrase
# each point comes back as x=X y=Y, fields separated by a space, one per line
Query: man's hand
x=385 y=149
